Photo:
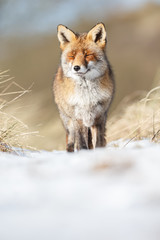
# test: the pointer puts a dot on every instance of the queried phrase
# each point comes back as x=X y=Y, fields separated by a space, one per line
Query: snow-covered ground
x=106 y=194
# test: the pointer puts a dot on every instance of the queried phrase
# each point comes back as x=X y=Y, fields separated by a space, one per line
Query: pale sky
x=24 y=16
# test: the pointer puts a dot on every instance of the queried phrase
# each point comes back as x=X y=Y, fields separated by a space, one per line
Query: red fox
x=83 y=87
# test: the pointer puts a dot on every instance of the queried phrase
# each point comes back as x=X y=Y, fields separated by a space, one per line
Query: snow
x=105 y=194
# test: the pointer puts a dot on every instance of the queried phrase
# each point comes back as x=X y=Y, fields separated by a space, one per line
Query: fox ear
x=98 y=35
x=65 y=35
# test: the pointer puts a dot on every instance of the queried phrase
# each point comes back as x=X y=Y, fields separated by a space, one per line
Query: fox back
x=83 y=87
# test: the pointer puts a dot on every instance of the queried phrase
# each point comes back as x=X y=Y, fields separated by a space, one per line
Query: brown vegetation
x=13 y=132
x=137 y=119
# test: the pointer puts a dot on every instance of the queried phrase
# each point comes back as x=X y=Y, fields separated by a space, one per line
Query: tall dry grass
x=137 y=119
x=13 y=132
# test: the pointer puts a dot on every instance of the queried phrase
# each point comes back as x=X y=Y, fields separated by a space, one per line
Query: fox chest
x=85 y=95
x=87 y=101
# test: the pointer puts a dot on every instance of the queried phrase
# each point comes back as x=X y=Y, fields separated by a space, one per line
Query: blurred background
x=30 y=50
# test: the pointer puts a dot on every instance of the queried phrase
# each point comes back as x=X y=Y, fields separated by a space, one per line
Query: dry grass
x=133 y=119
x=13 y=132
x=137 y=119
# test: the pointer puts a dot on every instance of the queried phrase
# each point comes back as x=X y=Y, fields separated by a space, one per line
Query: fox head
x=83 y=55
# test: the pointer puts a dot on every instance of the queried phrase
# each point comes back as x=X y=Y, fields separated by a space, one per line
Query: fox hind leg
x=90 y=144
x=101 y=140
x=69 y=142
x=98 y=135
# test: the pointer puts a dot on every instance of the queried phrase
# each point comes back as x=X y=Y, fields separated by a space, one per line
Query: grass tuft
x=137 y=119
x=13 y=132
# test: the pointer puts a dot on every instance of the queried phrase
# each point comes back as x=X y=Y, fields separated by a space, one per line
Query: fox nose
x=76 y=68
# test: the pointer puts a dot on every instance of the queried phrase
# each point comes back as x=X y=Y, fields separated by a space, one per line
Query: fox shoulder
x=63 y=87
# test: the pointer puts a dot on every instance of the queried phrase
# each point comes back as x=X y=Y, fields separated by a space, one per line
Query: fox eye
x=71 y=56
x=89 y=54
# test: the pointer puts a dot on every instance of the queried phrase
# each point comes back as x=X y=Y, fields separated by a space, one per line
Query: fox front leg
x=70 y=136
x=81 y=137
x=69 y=142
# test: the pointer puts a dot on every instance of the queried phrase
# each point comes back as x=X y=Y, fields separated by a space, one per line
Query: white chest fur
x=86 y=101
